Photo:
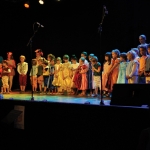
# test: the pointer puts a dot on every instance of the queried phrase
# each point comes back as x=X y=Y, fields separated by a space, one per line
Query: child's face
x=48 y=58
x=37 y=54
x=82 y=55
x=106 y=58
x=73 y=61
x=21 y=59
x=93 y=62
x=81 y=62
x=142 y=51
x=52 y=62
x=121 y=59
x=58 y=61
x=129 y=56
x=114 y=55
x=89 y=57
x=65 y=60
x=148 y=50
x=141 y=40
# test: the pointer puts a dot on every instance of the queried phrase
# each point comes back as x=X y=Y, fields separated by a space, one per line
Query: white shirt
x=86 y=63
x=22 y=68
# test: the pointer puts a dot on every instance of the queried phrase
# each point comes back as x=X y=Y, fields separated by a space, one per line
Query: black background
x=71 y=26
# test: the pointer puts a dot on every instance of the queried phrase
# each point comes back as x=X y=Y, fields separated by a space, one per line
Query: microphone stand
x=30 y=43
x=100 y=33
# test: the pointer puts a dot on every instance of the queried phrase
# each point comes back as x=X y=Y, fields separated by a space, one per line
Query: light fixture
x=41 y=2
x=26 y=4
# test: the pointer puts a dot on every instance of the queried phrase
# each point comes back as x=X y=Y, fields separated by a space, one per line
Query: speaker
x=130 y=94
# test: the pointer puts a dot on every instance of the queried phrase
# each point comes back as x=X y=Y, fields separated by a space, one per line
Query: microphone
x=39 y=24
x=105 y=9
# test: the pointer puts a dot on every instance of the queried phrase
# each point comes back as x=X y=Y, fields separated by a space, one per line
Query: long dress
x=74 y=67
x=58 y=75
x=80 y=79
x=12 y=65
x=106 y=68
x=84 y=81
x=90 y=77
x=122 y=73
x=66 y=73
x=113 y=76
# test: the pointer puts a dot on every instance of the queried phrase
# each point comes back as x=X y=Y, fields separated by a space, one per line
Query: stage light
x=26 y=5
x=41 y=2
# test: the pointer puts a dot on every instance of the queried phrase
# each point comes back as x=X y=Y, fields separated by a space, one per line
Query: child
x=148 y=49
x=122 y=68
x=136 y=50
x=22 y=69
x=46 y=74
x=74 y=66
x=80 y=77
x=33 y=75
x=12 y=65
x=142 y=61
x=50 y=57
x=96 y=68
x=40 y=74
x=84 y=54
x=132 y=68
x=57 y=82
x=90 y=75
x=66 y=75
x=5 y=77
x=142 y=40
x=147 y=70
x=51 y=76
x=1 y=70
x=106 y=68
x=39 y=55
x=114 y=70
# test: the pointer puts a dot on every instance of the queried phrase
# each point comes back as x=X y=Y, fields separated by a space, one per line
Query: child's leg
x=7 y=89
x=96 y=91
x=84 y=92
x=10 y=82
x=2 y=89
x=40 y=87
x=23 y=88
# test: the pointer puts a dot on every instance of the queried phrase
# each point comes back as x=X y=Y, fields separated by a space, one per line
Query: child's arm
x=134 y=67
x=97 y=70
x=36 y=70
x=18 y=69
x=26 y=69
x=8 y=71
x=84 y=70
x=114 y=66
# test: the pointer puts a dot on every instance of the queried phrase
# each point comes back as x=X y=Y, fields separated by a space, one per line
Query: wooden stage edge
x=27 y=96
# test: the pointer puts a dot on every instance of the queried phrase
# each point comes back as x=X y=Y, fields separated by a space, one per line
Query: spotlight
x=26 y=5
x=41 y=2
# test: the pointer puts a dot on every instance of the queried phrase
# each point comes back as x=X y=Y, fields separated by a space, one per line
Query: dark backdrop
x=71 y=26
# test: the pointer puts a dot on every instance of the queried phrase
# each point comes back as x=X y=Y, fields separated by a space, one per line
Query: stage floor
x=55 y=98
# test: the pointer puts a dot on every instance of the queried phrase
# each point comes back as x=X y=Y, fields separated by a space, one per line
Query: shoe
x=95 y=95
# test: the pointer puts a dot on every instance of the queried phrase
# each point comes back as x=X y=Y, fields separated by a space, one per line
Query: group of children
x=70 y=75
x=64 y=76
x=132 y=67
x=53 y=75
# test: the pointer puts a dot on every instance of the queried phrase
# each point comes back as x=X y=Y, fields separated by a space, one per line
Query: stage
x=67 y=122
x=55 y=98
